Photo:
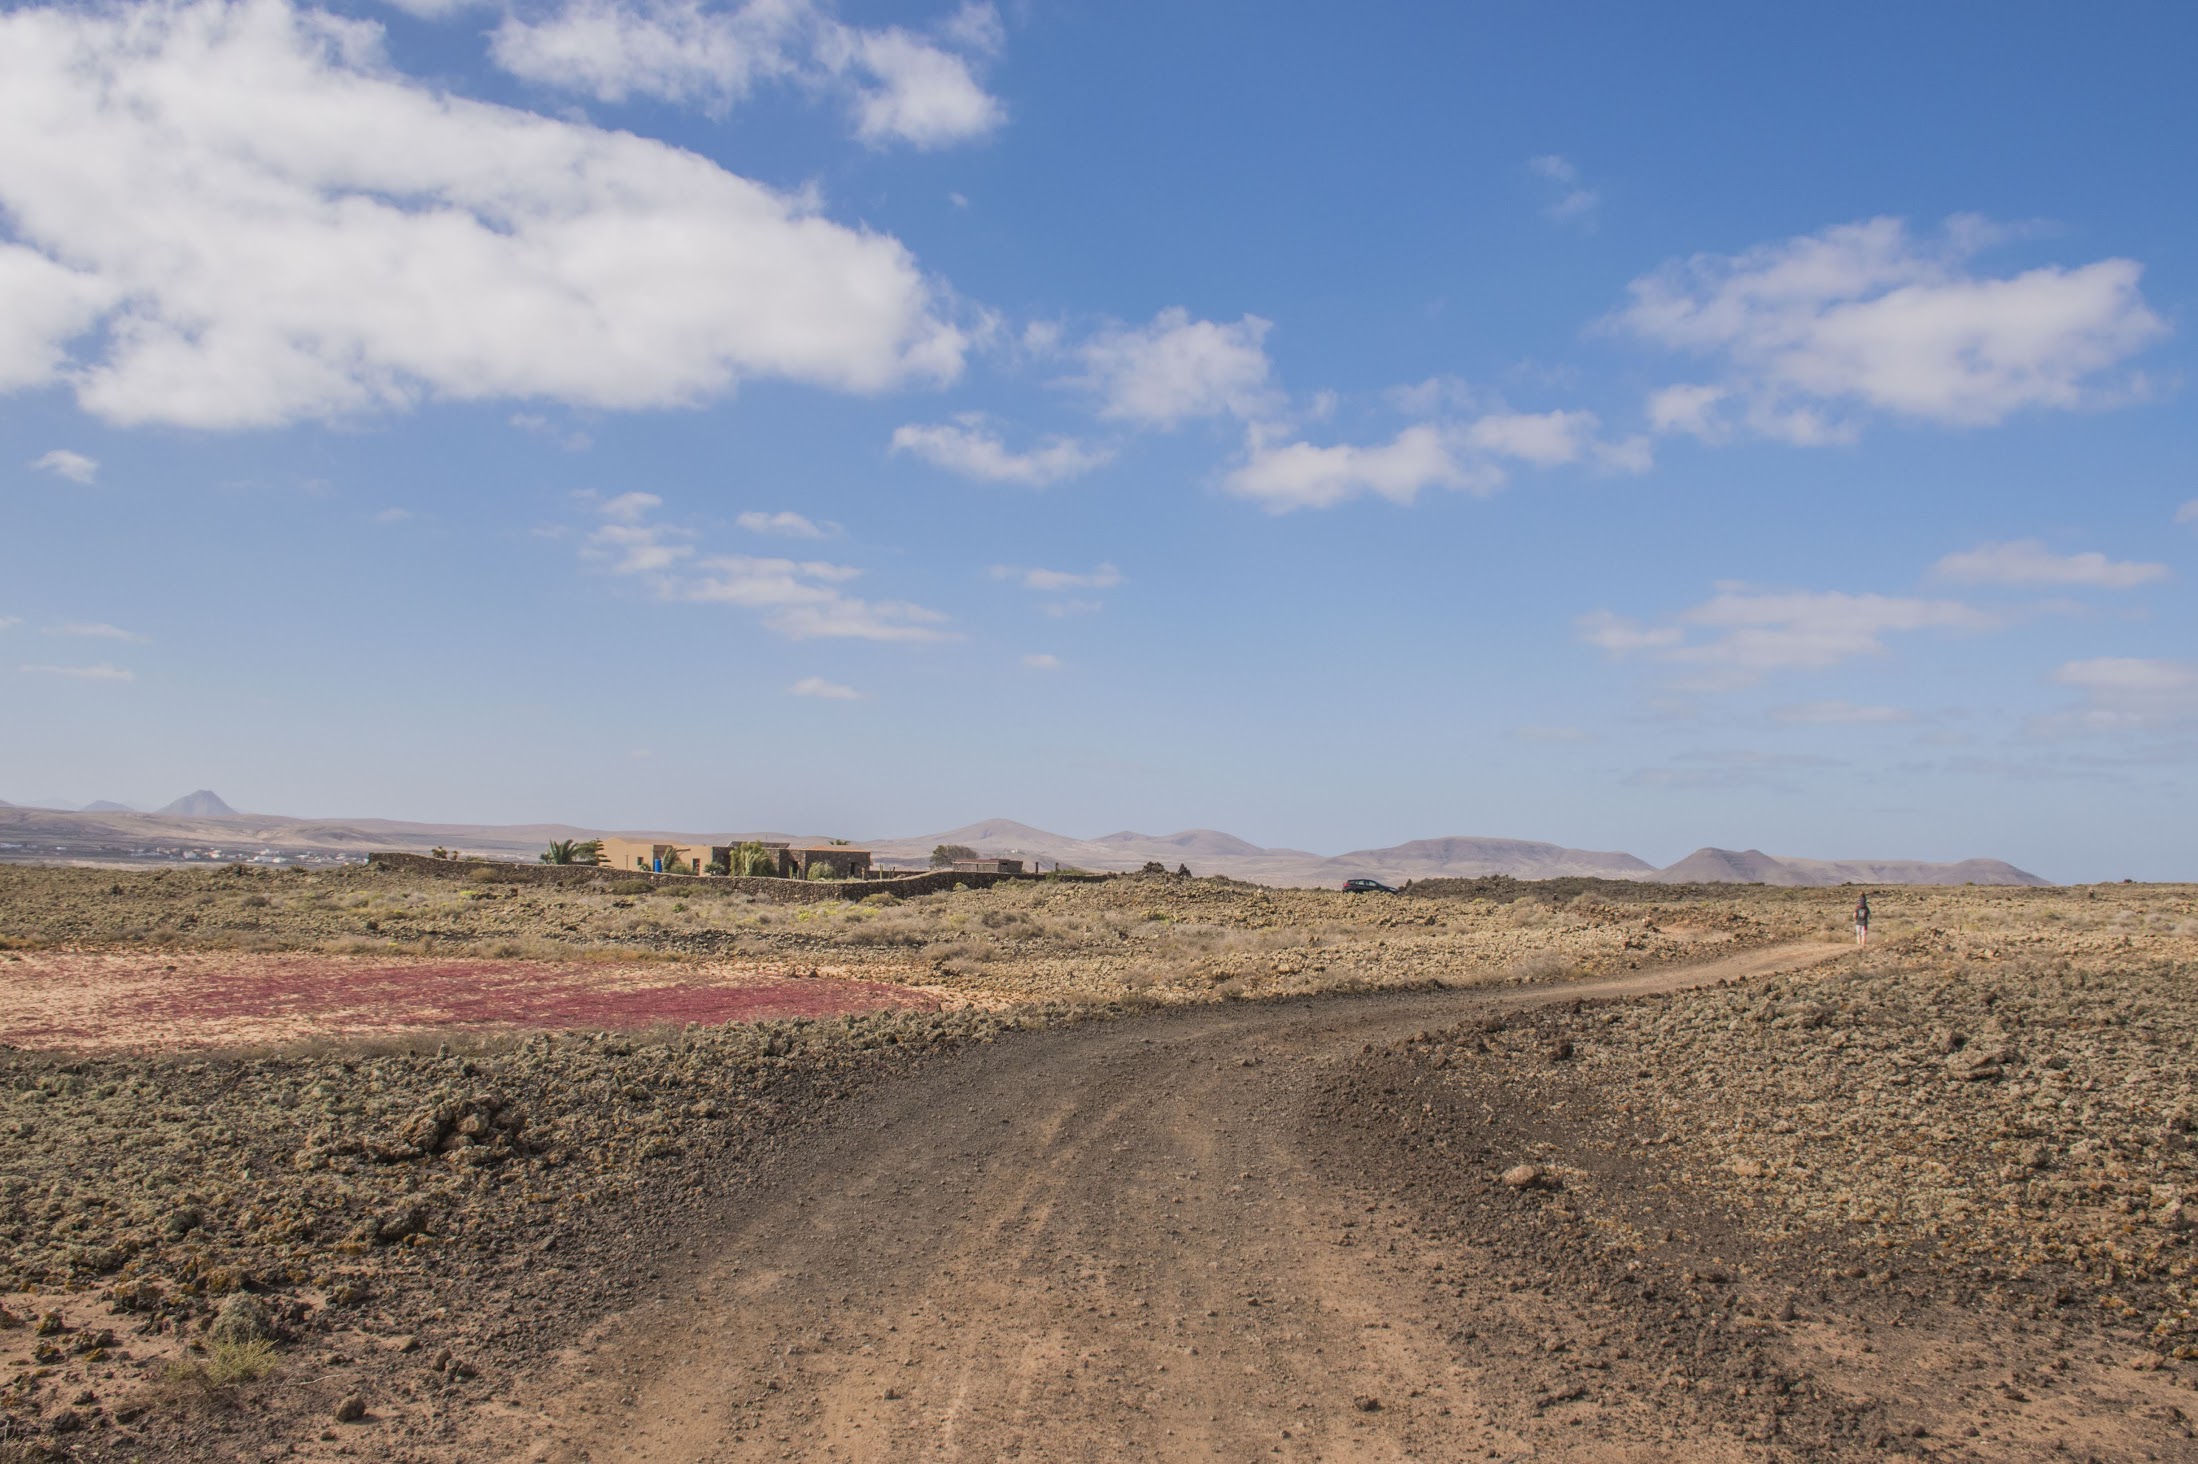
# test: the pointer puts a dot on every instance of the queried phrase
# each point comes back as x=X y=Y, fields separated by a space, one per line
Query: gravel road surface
x=1106 y=1242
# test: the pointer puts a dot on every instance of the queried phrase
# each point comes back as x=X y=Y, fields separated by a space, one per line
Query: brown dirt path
x=1096 y=1244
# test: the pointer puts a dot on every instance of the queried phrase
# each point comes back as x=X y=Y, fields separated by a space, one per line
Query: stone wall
x=785 y=891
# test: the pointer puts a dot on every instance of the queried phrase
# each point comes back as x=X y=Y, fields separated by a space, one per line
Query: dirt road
x=1102 y=1243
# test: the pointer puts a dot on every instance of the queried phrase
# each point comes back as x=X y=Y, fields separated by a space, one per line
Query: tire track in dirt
x=1099 y=1243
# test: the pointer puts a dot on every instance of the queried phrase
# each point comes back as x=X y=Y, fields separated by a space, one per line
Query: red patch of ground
x=76 y=999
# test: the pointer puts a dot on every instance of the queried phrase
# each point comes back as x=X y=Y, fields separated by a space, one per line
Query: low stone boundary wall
x=785 y=891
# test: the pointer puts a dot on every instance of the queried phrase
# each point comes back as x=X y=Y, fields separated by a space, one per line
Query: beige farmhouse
x=821 y=861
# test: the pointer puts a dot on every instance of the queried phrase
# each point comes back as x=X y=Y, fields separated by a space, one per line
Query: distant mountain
x=205 y=803
x=1209 y=852
x=1753 y=866
x=1461 y=858
x=103 y=806
x=203 y=822
x=1724 y=866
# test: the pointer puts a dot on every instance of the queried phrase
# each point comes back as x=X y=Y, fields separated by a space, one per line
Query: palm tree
x=572 y=851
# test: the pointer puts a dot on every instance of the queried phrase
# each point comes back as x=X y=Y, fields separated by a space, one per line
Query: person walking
x=1862 y=919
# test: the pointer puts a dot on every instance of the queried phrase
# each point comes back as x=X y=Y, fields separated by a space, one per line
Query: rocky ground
x=1982 y=1123
x=1146 y=938
x=1931 y=1198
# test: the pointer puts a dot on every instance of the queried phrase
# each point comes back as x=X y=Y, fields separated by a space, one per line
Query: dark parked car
x=1367 y=887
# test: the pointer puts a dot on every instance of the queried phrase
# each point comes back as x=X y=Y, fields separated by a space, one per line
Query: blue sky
x=1635 y=427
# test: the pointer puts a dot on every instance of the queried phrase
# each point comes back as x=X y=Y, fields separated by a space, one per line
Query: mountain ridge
x=118 y=835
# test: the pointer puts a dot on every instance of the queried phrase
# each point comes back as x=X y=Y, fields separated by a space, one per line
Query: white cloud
x=393 y=516
x=786 y=525
x=1302 y=475
x=1464 y=455
x=103 y=671
x=817 y=686
x=917 y=93
x=1817 y=331
x=2188 y=513
x=73 y=466
x=1061 y=609
x=9 y=622
x=2029 y=562
x=1105 y=577
x=674 y=52
x=261 y=222
x=97 y=630
x=970 y=448
x=1838 y=714
x=629 y=508
x=1691 y=409
x=800 y=599
x=1570 y=202
x=1742 y=633
x=1041 y=661
x=1544 y=439
x=2126 y=693
x=1176 y=368
x=902 y=87
x=1622 y=637
x=975 y=28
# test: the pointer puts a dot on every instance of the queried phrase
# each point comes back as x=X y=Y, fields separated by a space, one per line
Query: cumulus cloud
x=2029 y=562
x=1741 y=634
x=393 y=516
x=2127 y=693
x=1468 y=455
x=1303 y=475
x=102 y=671
x=232 y=213
x=97 y=630
x=1817 y=332
x=911 y=90
x=63 y=463
x=786 y=525
x=1105 y=577
x=1838 y=714
x=681 y=53
x=901 y=86
x=9 y=622
x=818 y=687
x=800 y=599
x=2188 y=513
x=1177 y=368
x=1041 y=661
x=968 y=447
x=1570 y=200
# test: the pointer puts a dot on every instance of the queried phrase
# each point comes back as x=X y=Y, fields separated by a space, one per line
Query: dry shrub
x=213 y=1380
x=1540 y=966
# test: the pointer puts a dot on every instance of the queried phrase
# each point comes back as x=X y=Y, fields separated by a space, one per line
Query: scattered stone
x=351 y=1409
x=1366 y=1403
x=1523 y=1176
